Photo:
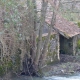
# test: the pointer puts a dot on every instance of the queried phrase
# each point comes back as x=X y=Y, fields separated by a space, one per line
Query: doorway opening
x=66 y=45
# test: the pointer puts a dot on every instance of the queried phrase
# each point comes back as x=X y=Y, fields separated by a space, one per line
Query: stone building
x=68 y=35
x=65 y=39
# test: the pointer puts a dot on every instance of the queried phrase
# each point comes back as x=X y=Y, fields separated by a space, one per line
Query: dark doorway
x=66 y=45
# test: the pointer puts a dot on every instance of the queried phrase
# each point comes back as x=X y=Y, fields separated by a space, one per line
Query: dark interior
x=66 y=45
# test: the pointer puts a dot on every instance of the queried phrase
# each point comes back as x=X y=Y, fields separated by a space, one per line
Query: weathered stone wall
x=53 y=49
x=74 y=45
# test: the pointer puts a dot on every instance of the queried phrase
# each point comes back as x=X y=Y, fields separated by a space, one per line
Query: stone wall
x=74 y=45
x=53 y=49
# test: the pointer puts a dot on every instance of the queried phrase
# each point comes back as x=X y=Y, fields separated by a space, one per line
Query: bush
x=2 y=72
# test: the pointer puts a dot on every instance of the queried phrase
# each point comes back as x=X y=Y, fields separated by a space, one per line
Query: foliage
x=16 y=66
x=43 y=38
x=5 y=67
x=10 y=65
x=2 y=72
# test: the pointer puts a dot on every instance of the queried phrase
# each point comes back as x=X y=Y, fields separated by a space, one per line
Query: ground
x=68 y=65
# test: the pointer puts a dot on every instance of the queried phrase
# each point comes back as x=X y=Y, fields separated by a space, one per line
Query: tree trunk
x=34 y=32
x=53 y=21
x=45 y=48
x=43 y=13
x=29 y=67
x=31 y=63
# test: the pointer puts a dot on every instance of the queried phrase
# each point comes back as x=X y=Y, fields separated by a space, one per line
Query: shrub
x=2 y=71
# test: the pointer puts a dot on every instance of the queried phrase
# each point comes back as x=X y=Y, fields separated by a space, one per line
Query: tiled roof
x=69 y=29
x=64 y=27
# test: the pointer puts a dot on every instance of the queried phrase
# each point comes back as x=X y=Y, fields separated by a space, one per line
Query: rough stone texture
x=53 y=49
x=74 y=45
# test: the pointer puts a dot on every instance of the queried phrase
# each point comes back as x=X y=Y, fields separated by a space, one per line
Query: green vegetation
x=16 y=66
x=2 y=72
x=49 y=46
x=50 y=62
x=78 y=44
x=5 y=67
x=66 y=35
x=43 y=38
x=78 y=24
x=50 y=54
x=52 y=36
x=8 y=65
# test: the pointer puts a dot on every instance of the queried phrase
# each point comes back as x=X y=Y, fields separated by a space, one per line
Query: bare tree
x=36 y=47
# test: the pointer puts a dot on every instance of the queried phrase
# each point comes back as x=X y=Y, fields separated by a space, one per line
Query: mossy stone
x=52 y=36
